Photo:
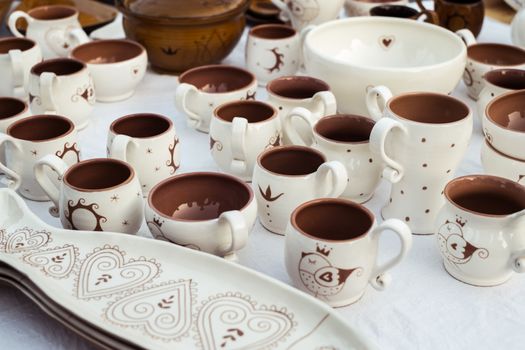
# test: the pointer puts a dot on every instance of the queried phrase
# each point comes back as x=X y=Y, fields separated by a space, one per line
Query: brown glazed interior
x=21 y=44
x=59 y=66
x=46 y=13
x=252 y=111
x=107 y=51
x=296 y=87
x=291 y=160
x=429 y=108
x=10 y=107
x=496 y=54
x=272 y=31
x=511 y=79
x=217 y=78
x=398 y=11
x=486 y=195
x=345 y=128
x=332 y=219
x=98 y=174
x=199 y=196
x=508 y=110
x=142 y=125
x=374 y=1
x=39 y=128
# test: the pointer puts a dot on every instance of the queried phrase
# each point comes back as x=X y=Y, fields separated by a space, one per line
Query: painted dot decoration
x=427 y=211
x=370 y=160
x=407 y=219
x=423 y=140
x=425 y=188
x=425 y=165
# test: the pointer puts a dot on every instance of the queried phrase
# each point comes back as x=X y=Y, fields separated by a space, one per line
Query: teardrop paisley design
x=25 y=239
x=105 y=272
x=454 y=246
x=56 y=262
x=233 y=321
x=163 y=311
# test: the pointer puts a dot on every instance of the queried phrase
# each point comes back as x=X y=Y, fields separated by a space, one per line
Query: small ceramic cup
x=480 y=229
x=498 y=82
x=239 y=132
x=29 y=139
x=496 y=163
x=357 y=8
x=117 y=67
x=402 y=11
x=204 y=88
x=55 y=28
x=287 y=176
x=149 y=143
x=210 y=212
x=272 y=50
x=331 y=250
x=289 y=92
x=504 y=123
x=484 y=57
x=17 y=56
x=303 y=13
x=11 y=110
x=460 y=14
x=344 y=138
x=62 y=86
x=98 y=194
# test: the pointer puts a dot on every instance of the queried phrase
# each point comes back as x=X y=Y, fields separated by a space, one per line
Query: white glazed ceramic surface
x=516 y=5
x=498 y=164
x=355 y=8
x=17 y=56
x=518 y=28
x=307 y=12
x=193 y=293
x=354 y=54
x=11 y=110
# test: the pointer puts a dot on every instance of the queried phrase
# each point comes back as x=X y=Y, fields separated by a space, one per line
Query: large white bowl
x=354 y=54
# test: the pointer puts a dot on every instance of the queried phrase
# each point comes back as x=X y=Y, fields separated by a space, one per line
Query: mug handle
x=13 y=18
x=239 y=232
x=78 y=36
x=372 y=101
x=431 y=16
x=327 y=99
x=120 y=146
x=291 y=132
x=181 y=95
x=467 y=36
x=12 y=180
x=238 y=141
x=47 y=79
x=380 y=278
x=53 y=192
x=518 y=256
x=339 y=178
x=18 y=72
x=394 y=171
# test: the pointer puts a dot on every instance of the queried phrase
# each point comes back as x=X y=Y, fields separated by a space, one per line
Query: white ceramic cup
x=62 y=86
x=149 y=143
x=331 y=250
x=504 y=123
x=29 y=139
x=287 y=176
x=204 y=88
x=355 y=8
x=210 y=212
x=17 y=56
x=239 y=132
x=98 y=194
x=484 y=57
x=303 y=13
x=480 y=229
x=117 y=67
x=421 y=138
x=345 y=138
x=496 y=163
x=272 y=50
x=55 y=28
x=11 y=110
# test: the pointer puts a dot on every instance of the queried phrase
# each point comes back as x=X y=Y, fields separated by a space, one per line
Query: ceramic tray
x=154 y=294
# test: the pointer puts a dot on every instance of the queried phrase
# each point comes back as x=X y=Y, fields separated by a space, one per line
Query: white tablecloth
x=423 y=308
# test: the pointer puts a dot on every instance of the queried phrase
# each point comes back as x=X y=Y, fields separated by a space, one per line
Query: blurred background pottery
x=303 y=13
x=461 y=14
x=402 y=11
x=180 y=34
x=5 y=5
x=356 y=8
x=518 y=29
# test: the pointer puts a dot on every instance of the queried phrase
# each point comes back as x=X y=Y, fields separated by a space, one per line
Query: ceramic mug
x=484 y=57
x=402 y=11
x=239 y=132
x=504 y=123
x=344 y=138
x=357 y=8
x=517 y=25
x=55 y=28
x=11 y=110
x=460 y=14
x=17 y=56
x=272 y=50
x=210 y=212
x=421 y=138
x=29 y=139
x=63 y=86
x=287 y=176
x=303 y=13
x=204 y=88
x=117 y=67
x=480 y=229
x=289 y=92
x=498 y=82
x=149 y=143
x=496 y=163
x=98 y=194
x=331 y=250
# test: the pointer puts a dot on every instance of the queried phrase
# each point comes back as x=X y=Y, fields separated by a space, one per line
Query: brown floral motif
x=250 y=96
x=25 y=239
x=36 y=99
x=71 y=208
x=87 y=93
x=488 y=135
x=279 y=61
x=467 y=78
x=386 y=41
x=274 y=141
x=67 y=148
x=214 y=143
x=155 y=227
x=267 y=195
x=171 y=163
x=56 y=262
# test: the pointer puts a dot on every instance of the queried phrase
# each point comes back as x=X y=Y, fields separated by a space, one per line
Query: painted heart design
x=25 y=239
x=234 y=322
x=105 y=272
x=386 y=41
x=56 y=262
x=163 y=311
x=327 y=277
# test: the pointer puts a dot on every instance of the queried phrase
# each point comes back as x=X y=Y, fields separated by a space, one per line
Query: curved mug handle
x=47 y=80
x=17 y=68
x=394 y=171
x=238 y=142
x=467 y=36
x=58 y=166
x=13 y=18
x=78 y=36
x=327 y=100
x=292 y=133
x=181 y=98
x=517 y=225
x=11 y=179
x=430 y=16
x=372 y=101
x=239 y=232
x=339 y=179
x=120 y=147
x=285 y=11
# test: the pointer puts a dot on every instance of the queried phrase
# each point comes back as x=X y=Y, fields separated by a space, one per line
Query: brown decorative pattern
x=250 y=96
x=214 y=143
x=467 y=78
x=155 y=227
x=56 y=262
x=169 y=51
x=171 y=163
x=36 y=99
x=520 y=177
x=386 y=41
x=279 y=61
x=25 y=239
x=274 y=141
x=87 y=93
x=267 y=195
x=67 y=148
x=71 y=208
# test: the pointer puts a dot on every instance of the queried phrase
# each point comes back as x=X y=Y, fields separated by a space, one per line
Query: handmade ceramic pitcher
x=303 y=13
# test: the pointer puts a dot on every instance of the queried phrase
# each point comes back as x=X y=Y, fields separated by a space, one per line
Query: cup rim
x=98 y=42
x=497 y=99
x=98 y=160
x=218 y=66
x=500 y=71
x=338 y=201
x=15 y=38
x=58 y=60
x=341 y=116
x=497 y=45
x=245 y=102
x=501 y=154
x=138 y=115
x=289 y=147
x=36 y=116
x=196 y=174
x=33 y=10
x=272 y=82
x=291 y=31
x=394 y=7
x=4 y=99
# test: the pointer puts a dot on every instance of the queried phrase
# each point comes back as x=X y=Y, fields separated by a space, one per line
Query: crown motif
x=460 y=221
x=157 y=221
x=323 y=250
